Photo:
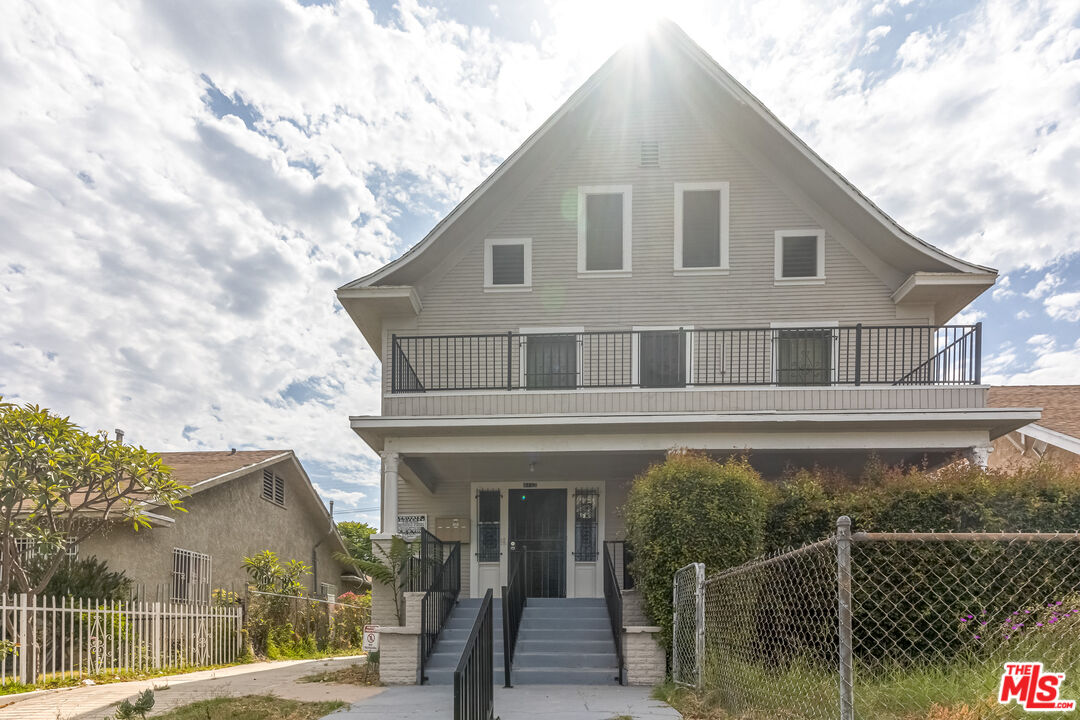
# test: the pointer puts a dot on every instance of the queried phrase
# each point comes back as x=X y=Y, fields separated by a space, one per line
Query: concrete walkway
x=267 y=678
x=524 y=702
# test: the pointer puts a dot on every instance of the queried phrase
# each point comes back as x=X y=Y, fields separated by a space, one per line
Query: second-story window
x=273 y=487
x=701 y=227
x=604 y=229
x=800 y=256
x=507 y=264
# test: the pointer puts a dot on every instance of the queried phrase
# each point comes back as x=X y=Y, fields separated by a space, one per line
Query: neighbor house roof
x=1060 y=404
x=193 y=468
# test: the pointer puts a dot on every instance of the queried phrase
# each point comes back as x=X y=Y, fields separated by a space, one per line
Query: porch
x=551 y=487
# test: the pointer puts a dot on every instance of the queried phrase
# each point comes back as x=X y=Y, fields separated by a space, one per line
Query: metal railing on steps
x=513 y=604
x=439 y=599
x=613 y=598
x=474 y=686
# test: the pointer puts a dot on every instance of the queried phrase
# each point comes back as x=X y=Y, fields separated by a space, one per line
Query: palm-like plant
x=390 y=567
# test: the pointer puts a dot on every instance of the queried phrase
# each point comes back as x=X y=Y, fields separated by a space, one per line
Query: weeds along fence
x=46 y=638
x=283 y=626
x=881 y=625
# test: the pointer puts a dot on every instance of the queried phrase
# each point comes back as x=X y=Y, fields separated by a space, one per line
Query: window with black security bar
x=586 y=507
x=551 y=361
x=488 y=504
x=662 y=358
x=804 y=357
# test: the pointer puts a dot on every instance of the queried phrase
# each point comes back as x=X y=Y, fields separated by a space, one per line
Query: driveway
x=267 y=678
x=524 y=702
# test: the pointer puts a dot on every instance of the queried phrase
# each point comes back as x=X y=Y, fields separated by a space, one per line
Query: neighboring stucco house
x=240 y=503
x=1055 y=437
x=661 y=264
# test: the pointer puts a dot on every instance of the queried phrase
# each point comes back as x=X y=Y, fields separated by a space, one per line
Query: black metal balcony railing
x=685 y=357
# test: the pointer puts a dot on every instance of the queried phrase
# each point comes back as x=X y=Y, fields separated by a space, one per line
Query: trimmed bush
x=691 y=508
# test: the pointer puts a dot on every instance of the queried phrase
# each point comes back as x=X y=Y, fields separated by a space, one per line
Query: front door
x=538 y=531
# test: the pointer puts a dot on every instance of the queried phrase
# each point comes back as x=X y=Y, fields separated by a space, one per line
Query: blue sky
x=183 y=185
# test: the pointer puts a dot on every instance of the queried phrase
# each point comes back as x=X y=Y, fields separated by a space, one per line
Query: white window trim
x=834 y=371
x=635 y=351
x=778 y=257
x=490 y=286
x=725 y=214
x=523 y=354
x=627 y=246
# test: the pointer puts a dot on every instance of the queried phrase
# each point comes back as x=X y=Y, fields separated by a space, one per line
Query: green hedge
x=692 y=508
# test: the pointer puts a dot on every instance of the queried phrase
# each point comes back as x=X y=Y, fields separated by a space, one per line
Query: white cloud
x=1051 y=366
x=1022 y=315
x=1065 y=306
x=968 y=317
x=1048 y=283
x=1001 y=290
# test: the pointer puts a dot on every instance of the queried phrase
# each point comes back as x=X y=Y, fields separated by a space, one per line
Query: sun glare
x=611 y=24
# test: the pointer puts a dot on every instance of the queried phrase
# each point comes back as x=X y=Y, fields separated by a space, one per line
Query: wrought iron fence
x=882 y=625
x=49 y=638
x=785 y=356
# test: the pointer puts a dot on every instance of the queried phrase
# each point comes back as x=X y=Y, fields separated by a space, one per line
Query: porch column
x=979 y=455
x=389 y=496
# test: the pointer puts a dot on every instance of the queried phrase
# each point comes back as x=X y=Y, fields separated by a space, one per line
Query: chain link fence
x=900 y=626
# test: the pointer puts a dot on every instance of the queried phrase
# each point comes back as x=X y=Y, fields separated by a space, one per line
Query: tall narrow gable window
x=800 y=257
x=507 y=264
x=273 y=487
x=701 y=227
x=604 y=230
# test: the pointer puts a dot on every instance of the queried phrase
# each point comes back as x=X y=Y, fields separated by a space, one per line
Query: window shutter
x=507 y=264
x=800 y=256
x=268 y=484
x=279 y=490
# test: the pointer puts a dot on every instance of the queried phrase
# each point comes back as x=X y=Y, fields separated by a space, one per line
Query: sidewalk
x=266 y=678
x=522 y=702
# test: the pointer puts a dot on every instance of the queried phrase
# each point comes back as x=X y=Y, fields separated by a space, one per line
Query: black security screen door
x=538 y=529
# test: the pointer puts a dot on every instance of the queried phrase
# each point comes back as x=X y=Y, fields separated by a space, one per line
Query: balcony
x=786 y=357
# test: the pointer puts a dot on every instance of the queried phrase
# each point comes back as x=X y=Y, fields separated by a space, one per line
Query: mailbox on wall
x=452 y=529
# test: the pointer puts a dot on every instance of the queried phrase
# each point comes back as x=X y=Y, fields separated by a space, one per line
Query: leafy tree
x=61 y=484
x=357 y=538
x=269 y=574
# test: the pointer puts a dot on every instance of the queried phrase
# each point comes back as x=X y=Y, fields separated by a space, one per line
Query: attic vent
x=273 y=487
x=650 y=154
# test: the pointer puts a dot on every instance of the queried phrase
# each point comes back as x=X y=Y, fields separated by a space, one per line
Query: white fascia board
x=1052 y=437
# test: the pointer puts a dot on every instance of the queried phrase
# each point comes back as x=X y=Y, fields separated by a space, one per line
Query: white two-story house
x=661 y=264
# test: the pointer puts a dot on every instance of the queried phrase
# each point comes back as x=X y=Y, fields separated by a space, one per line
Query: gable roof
x=836 y=194
x=1060 y=404
x=196 y=468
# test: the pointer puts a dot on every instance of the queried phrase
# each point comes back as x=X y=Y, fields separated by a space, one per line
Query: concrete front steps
x=447 y=651
x=561 y=641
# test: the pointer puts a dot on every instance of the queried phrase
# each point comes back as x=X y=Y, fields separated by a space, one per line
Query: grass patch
x=355 y=674
x=57 y=681
x=252 y=707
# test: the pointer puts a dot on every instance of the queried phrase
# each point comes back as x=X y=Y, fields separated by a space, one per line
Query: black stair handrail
x=474 y=685
x=613 y=598
x=513 y=604
x=437 y=603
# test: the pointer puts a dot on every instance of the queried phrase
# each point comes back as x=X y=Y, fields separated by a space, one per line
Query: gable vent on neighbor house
x=273 y=487
x=650 y=153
